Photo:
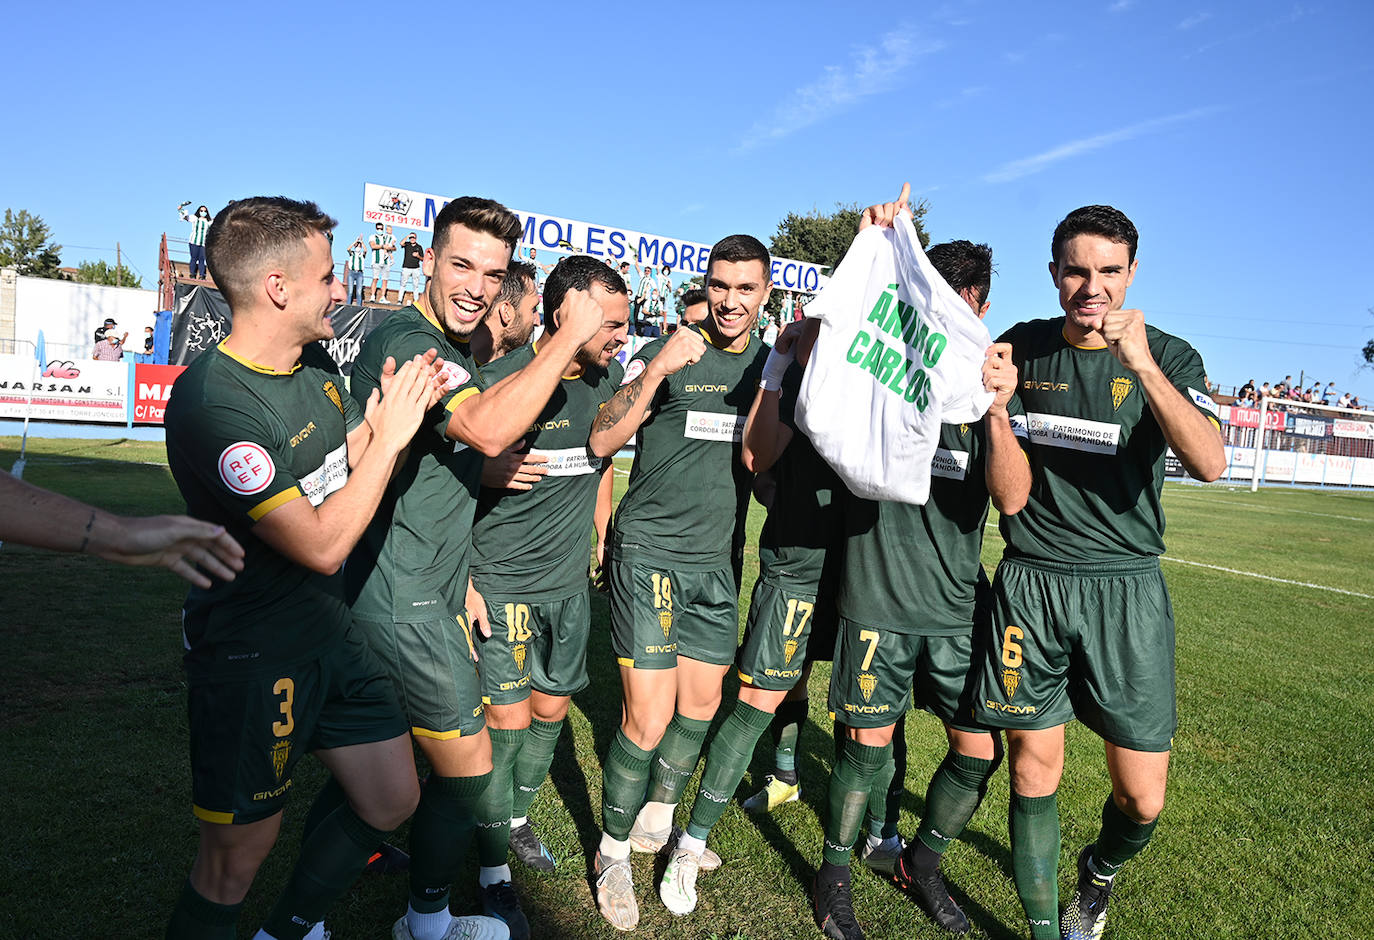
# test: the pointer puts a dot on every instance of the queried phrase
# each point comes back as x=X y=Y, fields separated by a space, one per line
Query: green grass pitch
x=1268 y=830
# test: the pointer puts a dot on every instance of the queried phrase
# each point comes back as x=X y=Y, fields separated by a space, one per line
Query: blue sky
x=1236 y=136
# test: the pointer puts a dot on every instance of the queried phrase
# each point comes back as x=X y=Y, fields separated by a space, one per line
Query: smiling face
x=465 y=279
x=735 y=292
x=313 y=291
x=1092 y=275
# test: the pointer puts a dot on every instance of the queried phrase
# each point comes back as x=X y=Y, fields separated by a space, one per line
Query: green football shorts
x=1093 y=642
x=659 y=613
x=540 y=646
x=876 y=669
x=246 y=735
x=433 y=666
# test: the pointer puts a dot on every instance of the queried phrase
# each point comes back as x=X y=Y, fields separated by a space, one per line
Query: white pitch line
x=1266 y=577
x=1275 y=509
x=1250 y=574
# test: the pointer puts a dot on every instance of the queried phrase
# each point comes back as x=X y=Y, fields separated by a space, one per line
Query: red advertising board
x=1249 y=418
x=152 y=386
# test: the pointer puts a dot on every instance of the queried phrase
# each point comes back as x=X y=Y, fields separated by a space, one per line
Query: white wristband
x=774 y=369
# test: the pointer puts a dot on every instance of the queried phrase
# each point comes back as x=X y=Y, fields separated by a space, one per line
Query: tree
x=101 y=272
x=823 y=238
x=22 y=245
x=1368 y=351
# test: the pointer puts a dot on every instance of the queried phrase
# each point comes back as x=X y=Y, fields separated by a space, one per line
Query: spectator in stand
x=411 y=256
x=109 y=348
x=383 y=245
x=200 y=225
x=1330 y=393
x=1355 y=402
x=1344 y=400
x=357 y=257
x=666 y=301
x=147 y=341
x=1247 y=391
x=648 y=286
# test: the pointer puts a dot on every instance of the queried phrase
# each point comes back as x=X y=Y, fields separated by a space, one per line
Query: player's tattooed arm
x=621 y=417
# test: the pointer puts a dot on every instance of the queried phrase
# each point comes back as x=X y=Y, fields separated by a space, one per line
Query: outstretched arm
x=498 y=417
x=45 y=519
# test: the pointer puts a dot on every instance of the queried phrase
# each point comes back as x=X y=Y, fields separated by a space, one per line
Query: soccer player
x=407 y=580
x=511 y=321
x=694 y=306
x=803 y=532
x=908 y=606
x=279 y=455
x=1081 y=623
x=530 y=566
x=674 y=592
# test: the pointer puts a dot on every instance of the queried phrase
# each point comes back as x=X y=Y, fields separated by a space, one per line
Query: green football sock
x=955 y=790
x=676 y=758
x=1120 y=840
x=786 y=730
x=493 y=808
x=439 y=835
x=726 y=761
x=196 y=917
x=1035 y=860
x=624 y=778
x=885 y=799
x=876 y=812
x=533 y=763
x=849 y=790
x=330 y=798
x=331 y=859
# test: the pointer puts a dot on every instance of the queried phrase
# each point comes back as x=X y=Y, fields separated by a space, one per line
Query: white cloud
x=1121 y=6
x=1197 y=19
x=1029 y=165
x=873 y=70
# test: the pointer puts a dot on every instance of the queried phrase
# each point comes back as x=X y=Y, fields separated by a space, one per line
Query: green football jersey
x=412 y=562
x=241 y=441
x=1095 y=447
x=534 y=542
x=687 y=485
x=806 y=518
x=918 y=569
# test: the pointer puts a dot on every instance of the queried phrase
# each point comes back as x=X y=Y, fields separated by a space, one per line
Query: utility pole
x=119 y=267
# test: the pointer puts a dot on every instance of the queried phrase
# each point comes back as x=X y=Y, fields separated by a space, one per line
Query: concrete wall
x=69 y=313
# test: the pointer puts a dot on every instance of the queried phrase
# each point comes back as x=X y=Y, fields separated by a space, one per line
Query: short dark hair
x=480 y=215
x=577 y=272
x=697 y=295
x=1106 y=221
x=737 y=248
x=519 y=282
x=964 y=265
x=250 y=234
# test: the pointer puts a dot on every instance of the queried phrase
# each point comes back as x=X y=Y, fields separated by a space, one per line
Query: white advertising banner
x=1343 y=427
x=64 y=390
x=407 y=209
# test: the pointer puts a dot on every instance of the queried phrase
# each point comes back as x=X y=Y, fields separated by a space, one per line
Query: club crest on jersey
x=665 y=620
x=454 y=375
x=518 y=654
x=332 y=391
x=963 y=430
x=1121 y=387
x=281 y=751
x=246 y=468
x=1011 y=678
x=789 y=649
x=868 y=683
x=633 y=371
